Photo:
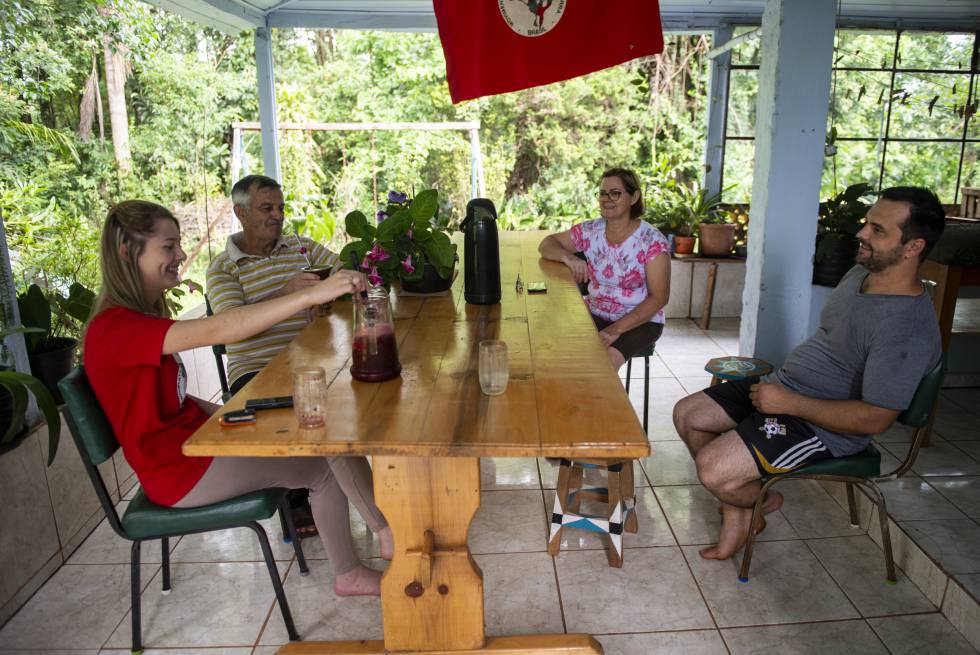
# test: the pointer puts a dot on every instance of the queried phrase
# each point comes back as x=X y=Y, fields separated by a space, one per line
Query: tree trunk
x=86 y=110
x=115 y=78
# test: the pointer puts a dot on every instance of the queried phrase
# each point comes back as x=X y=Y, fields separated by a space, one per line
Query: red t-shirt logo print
x=488 y=49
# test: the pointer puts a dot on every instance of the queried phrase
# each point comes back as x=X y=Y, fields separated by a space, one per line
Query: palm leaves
x=63 y=144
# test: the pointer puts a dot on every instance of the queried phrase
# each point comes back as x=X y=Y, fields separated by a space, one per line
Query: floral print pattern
x=617 y=272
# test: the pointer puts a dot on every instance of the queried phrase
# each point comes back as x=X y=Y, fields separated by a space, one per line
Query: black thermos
x=481 y=253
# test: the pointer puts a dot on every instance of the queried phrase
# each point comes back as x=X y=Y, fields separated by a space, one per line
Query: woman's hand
x=609 y=334
x=579 y=268
x=338 y=284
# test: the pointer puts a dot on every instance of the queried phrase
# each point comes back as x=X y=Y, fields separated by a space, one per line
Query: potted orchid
x=406 y=243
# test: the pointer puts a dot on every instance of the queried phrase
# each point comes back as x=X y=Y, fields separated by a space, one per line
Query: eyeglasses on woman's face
x=613 y=195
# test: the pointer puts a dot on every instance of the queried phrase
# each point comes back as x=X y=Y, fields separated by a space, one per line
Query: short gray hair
x=241 y=193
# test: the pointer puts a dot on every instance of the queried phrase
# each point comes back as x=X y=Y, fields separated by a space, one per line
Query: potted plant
x=717 y=234
x=683 y=230
x=51 y=348
x=14 y=388
x=407 y=243
x=839 y=221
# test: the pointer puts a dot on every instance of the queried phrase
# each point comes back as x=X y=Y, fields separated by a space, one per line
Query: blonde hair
x=127 y=227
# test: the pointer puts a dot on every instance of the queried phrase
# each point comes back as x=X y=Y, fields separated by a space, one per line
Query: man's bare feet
x=387 y=543
x=359 y=581
x=734 y=533
x=773 y=501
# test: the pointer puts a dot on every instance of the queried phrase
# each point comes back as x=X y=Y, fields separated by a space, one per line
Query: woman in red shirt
x=131 y=347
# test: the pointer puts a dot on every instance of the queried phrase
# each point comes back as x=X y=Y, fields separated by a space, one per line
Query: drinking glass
x=493 y=367
x=310 y=396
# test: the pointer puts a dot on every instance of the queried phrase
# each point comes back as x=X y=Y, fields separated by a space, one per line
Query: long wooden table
x=427 y=430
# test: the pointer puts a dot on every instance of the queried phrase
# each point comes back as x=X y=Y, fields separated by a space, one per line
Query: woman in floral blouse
x=627 y=266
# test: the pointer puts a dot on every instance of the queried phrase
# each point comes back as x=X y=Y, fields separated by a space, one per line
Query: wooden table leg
x=432 y=592
x=441 y=495
x=709 y=297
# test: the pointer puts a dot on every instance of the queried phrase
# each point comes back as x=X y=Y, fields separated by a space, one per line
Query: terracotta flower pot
x=717 y=239
x=683 y=245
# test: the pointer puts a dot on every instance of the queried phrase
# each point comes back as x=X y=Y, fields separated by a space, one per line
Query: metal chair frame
x=646 y=382
x=113 y=517
x=868 y=483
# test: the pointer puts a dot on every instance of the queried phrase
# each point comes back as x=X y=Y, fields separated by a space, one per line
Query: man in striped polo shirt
x=259 y=263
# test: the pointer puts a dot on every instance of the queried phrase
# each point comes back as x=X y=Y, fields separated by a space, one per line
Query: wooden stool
x=736 y=368
x=618 y=495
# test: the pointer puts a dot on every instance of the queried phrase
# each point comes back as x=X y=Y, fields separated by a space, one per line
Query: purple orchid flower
x=407 y=265
x=381 y=216
x=377 y=253
x=373 y=277
x=366 y=263
x=397 y=197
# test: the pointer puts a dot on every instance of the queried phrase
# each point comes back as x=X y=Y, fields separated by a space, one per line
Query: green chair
x=863 y=470
x=145 y=521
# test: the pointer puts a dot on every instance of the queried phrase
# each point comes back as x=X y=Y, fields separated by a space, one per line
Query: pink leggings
x=331 y=481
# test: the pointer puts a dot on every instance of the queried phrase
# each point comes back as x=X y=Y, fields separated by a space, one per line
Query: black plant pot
x=430 y=282
x=837 y=260
x=53 y=363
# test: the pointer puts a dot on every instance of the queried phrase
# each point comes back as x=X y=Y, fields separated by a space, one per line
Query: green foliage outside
x=924 y=105
x=543 y=149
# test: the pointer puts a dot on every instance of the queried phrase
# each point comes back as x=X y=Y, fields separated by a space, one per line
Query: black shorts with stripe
x=778 y=443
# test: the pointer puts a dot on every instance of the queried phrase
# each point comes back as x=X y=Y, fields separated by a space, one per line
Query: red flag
x=496 y=46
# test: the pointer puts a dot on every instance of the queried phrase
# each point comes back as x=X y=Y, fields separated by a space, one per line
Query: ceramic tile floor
x=817 y=583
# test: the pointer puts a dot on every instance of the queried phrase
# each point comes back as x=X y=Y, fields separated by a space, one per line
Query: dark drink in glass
x=375 y=356
x=322 y=271
x=374 y=351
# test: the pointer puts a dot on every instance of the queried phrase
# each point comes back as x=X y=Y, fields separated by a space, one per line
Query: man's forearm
x=845 y=416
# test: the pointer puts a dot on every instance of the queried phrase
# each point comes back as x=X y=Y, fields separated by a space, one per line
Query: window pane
x=865 y=49
x=747 y=52
x=971 y=166
x=743 y=88
x=859 y=110
x=932 y=165
x=855 y=161
x=739 y=156
x=973 y=129
x=915 y=92
x=935 y=50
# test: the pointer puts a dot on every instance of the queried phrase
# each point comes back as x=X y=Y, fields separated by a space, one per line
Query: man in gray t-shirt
x=878 y=337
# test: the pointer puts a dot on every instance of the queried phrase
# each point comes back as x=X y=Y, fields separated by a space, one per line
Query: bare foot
x=387 y=543
x=773 y=501
x=359 y=581
x=734 y=533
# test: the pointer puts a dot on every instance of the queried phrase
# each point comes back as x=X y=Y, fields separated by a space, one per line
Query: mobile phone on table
x=237 y=417
x=537 y=287
x=256 y=404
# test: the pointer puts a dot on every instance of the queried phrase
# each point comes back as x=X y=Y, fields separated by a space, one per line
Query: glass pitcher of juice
x=374 y=353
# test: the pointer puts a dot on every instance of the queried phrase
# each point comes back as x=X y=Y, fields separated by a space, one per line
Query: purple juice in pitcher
x=377 y=363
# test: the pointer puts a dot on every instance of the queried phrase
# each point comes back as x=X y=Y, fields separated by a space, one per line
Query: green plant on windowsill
x=840 y=218
x=14 y=399
x=407 y=237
